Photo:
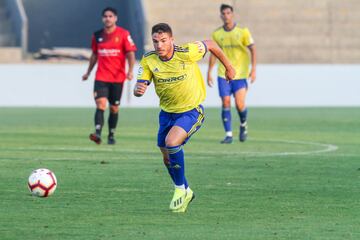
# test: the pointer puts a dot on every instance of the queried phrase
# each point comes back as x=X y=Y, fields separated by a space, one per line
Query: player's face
x=227 y=16
x=109 y=19
x=163 y=44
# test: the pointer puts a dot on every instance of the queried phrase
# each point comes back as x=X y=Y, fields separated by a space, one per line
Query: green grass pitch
x=297 y=177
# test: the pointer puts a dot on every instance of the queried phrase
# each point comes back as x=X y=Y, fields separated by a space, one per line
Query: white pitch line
x=324 y=148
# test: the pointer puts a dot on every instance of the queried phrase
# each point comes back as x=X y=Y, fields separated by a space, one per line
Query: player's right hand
x=85 y=76
x=230 y=73
x=140 y=89
x=210 y=80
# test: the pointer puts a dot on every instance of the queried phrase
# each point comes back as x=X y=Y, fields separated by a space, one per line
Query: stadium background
x=303 y=46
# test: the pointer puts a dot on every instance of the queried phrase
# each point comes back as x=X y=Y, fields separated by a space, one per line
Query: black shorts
x=111 y=91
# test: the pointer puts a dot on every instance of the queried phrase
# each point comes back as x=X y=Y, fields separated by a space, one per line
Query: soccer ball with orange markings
x=42 y=182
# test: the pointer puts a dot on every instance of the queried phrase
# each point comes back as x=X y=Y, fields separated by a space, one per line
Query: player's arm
x=212 y=62
x=252 y=50
x=130 y=49
x=92 y=62
x=249 y=42
x=219 y=54
x=93 y=59
x=130 y=57
x=144 y=78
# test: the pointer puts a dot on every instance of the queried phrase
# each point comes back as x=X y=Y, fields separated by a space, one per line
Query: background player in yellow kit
x=181 y=89
x=236 y=43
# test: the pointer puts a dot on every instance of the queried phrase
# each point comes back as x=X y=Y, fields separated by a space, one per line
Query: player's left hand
x=130 y=75
x=252 y=76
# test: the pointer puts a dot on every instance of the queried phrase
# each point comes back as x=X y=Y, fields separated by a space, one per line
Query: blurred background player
x=236 y=43
x=181 y=89
x=111 y=46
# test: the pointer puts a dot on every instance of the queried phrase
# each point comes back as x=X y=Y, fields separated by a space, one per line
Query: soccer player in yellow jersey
x=180 y=86
x=239 y=47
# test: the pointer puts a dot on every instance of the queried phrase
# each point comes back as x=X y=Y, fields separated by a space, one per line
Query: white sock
x=229 y=134
x=181 y=186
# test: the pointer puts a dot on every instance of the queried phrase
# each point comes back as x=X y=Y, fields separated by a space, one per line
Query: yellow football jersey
x=178 y=81
x=234 y=44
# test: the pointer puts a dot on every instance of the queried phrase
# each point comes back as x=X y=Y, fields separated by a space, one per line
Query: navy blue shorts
x=227 y=88
x=190 y=121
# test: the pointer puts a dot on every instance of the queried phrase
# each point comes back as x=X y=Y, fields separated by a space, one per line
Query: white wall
x=276 y=85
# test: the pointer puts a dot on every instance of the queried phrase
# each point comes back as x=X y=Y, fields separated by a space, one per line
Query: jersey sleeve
x=197 y=51
x=213 y=37
x=248 y=40
x=129 y=44
x=93 y=44
x=144 y=72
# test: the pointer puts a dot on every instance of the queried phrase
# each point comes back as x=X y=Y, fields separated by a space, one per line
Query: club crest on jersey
x=140 y=71
x=201 y=46
x=156 y=70
x=100 y=39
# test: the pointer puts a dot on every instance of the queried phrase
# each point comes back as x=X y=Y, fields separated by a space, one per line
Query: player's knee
x=114 y=109
x=226 y=104
x=101 y=107
x=100 y=104
x=241 y=106
x=171 y=142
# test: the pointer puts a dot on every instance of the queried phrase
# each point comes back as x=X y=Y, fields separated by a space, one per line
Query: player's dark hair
x=161 y=28
x=111 y=9
x=225 y=6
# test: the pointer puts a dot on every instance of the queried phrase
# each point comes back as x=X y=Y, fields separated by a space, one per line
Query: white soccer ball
x=42 y=182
